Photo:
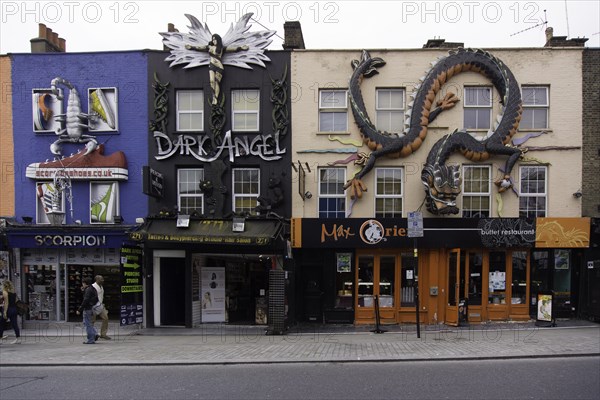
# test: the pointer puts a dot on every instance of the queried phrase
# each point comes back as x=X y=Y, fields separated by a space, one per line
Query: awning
x=257 y=232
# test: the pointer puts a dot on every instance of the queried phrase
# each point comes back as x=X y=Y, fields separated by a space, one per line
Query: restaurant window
x=390 y=110
x=519 y=277
x=497 y=278
x=332 y=196
x=532 y=196
x=388 y=193
x=477 y=107
x=190 y=198
x=333 y=111
x=476 y=191
x=387 y=277
x=475 y=278
x=365 y=281
x=535 y=108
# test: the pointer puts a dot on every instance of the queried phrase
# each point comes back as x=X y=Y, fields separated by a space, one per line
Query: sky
x=134 y=25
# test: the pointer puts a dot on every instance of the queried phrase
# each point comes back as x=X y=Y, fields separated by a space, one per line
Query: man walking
x=90 y=297
x=99 y=286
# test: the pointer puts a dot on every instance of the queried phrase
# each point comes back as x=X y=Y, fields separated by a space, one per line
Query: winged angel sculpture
x=200 y=47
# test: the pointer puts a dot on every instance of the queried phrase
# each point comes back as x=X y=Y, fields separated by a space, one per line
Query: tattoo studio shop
x=463 y=270
x=211 y=271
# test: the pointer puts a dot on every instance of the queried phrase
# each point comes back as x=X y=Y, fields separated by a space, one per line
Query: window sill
x=332 y=133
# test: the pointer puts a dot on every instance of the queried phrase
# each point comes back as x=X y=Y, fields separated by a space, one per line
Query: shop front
x=51 y=262
x=462 y=270
x=211 y=271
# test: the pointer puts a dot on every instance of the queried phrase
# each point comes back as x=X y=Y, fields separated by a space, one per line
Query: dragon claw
x=448 y=101
x=357 y=187
x=504 y=184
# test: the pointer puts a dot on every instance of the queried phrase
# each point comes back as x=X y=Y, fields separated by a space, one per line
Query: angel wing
x=257 y=42
x=199 y=36
x=236 y=36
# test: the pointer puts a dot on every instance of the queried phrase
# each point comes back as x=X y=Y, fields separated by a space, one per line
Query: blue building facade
x=80 y=131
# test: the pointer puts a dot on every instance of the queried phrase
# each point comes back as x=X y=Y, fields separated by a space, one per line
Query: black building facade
x=218 y=181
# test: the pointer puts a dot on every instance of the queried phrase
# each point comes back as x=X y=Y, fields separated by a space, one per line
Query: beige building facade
x=451 y=272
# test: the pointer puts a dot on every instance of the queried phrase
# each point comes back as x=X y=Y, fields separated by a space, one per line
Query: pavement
x=62 y=344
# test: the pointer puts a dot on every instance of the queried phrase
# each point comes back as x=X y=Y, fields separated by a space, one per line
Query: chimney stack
x=170 y=28
x=562 y=41
x=293 y=38
x=48 y=41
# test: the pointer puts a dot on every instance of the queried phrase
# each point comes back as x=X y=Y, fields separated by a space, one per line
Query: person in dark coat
x=90 y=297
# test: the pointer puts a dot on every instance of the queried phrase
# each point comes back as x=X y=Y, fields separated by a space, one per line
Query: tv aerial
x=544 y=22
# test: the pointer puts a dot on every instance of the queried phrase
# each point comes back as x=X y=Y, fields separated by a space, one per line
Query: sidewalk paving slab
x=61 y=344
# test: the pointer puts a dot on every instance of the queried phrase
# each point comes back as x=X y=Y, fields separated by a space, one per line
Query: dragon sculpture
x=442 y=182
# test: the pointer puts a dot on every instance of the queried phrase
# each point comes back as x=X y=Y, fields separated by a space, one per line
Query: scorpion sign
x=74 y=121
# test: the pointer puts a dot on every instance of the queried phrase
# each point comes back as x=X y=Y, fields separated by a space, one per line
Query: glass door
x=376 y=278
x=453 y=287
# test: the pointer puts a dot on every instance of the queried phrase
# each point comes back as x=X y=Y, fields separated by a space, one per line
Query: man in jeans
x=99 y=286
x=90 y=297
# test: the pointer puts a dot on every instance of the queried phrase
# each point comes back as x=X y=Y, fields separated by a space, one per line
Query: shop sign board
x=415 y=224
x=544 y=315
x=132 y=286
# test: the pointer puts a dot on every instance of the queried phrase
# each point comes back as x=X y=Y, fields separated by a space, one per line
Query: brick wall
x=7 y=181
x=591 y=132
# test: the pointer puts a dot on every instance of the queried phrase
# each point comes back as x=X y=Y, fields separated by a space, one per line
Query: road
x=545 y=378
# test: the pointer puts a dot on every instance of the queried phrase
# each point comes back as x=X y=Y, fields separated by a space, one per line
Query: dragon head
x=442 y=186
x=367 y=64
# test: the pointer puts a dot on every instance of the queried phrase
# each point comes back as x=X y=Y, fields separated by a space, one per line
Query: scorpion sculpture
x=74 y=120
x=441 y=182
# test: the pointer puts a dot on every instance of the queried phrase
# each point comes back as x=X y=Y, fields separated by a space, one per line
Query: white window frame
x=478 y=105
x=331 y=107
x=196 y=194
x=191 y=111
x=524 y=212
x=40 y=214
x=388 y=173
x=116 y=199
x=531 y=103
x=326 y=194
x=239 y=108
x=385 y=113
x=469 y=193
x=245 y=195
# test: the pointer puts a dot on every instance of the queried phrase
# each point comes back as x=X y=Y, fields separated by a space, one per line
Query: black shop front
x=200 y=271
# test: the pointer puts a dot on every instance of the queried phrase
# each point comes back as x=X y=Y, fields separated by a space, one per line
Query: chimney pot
x=62 y=44
x=54 y=39
x=41 y=31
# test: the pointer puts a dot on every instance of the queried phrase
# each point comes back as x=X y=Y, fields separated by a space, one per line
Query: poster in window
x=213 y=294
x=497 y=281
x=344 y=262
